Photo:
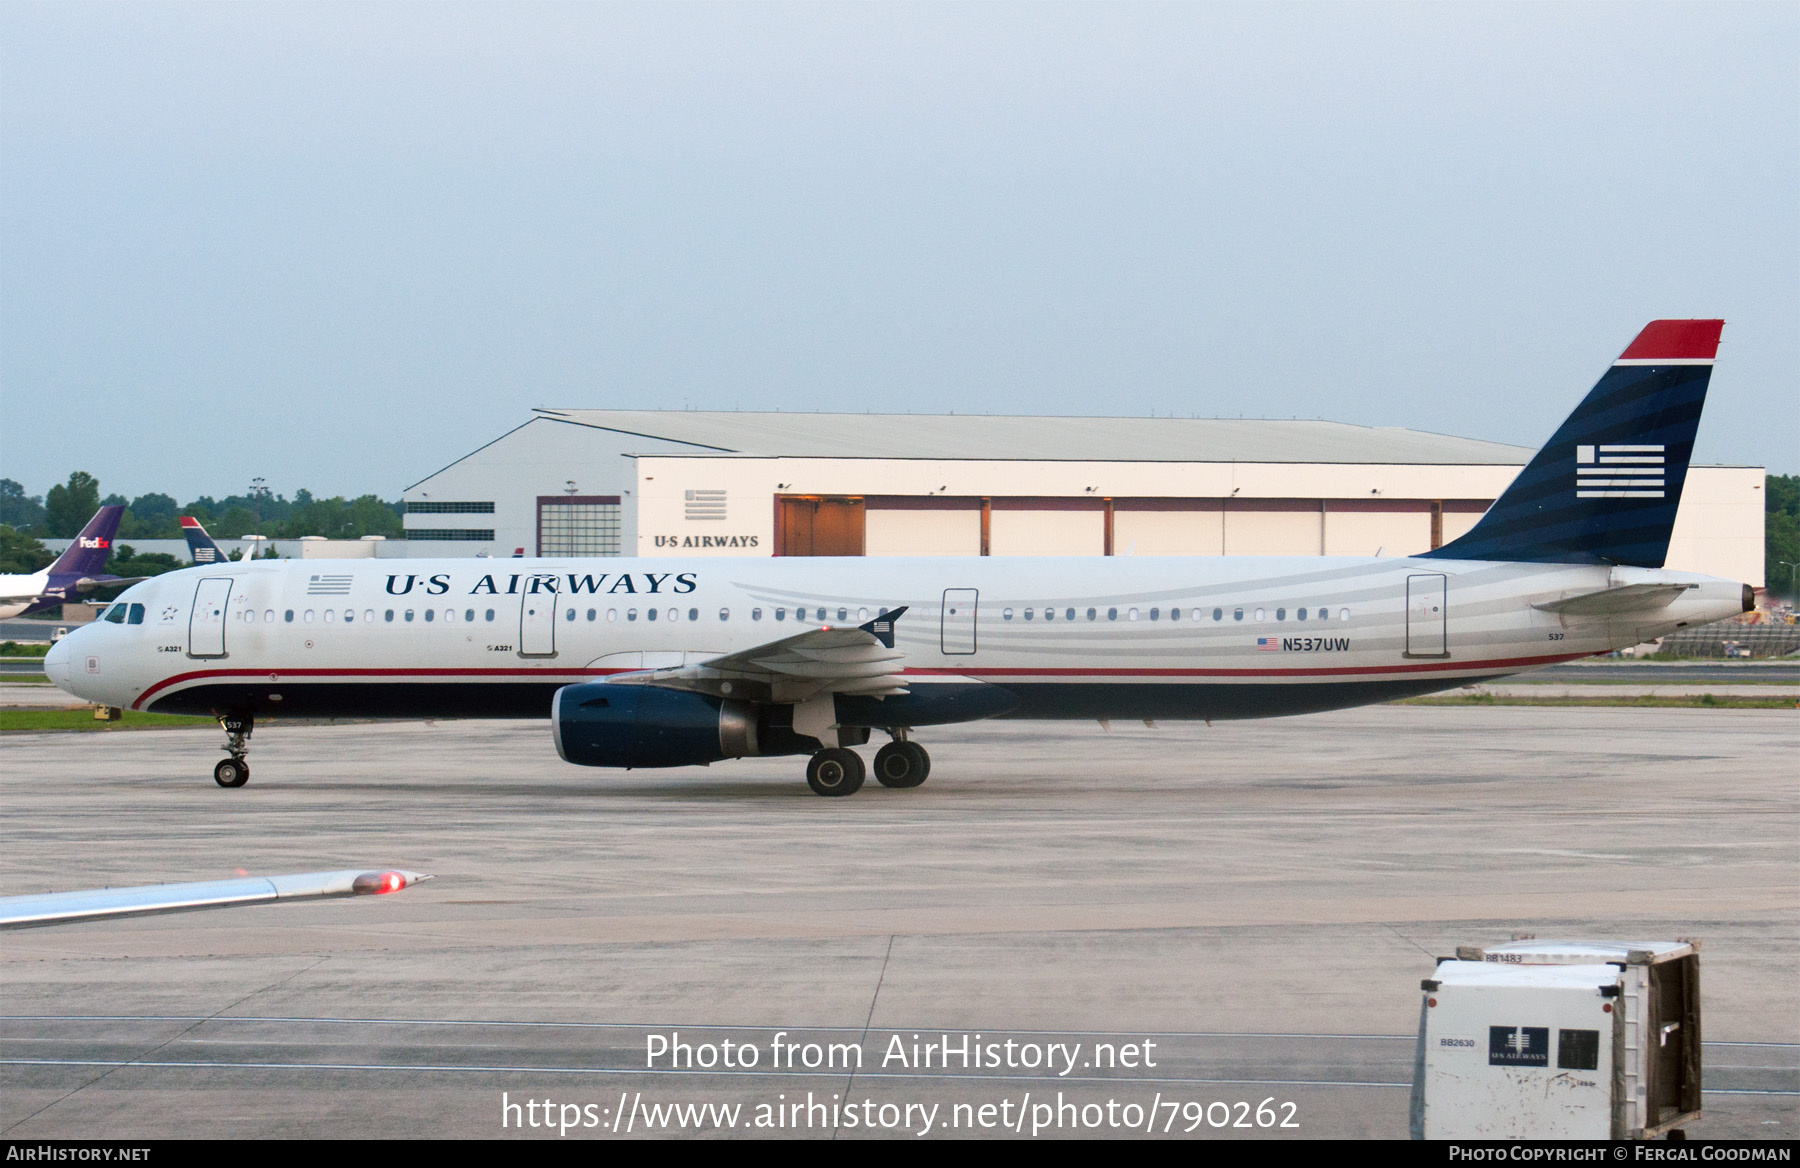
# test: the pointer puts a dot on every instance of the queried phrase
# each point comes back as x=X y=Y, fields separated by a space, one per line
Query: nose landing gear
x=235 y=771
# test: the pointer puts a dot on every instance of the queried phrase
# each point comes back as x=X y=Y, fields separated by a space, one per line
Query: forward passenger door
x=206 y=623
x=537 y=624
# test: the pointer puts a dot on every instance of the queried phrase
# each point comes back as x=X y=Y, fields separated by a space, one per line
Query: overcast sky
x=338 y=246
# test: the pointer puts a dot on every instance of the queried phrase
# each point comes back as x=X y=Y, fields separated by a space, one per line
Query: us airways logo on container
x=1619 y=472
x=1302 y=644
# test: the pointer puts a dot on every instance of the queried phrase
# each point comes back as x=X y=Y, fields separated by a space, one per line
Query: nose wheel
x=234 y=771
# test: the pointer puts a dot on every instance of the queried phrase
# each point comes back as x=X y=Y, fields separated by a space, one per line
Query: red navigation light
x=377 y=883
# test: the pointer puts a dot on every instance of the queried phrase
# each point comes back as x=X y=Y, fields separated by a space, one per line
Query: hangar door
x=1427 y=616
x=206 y=623
x=818 y=525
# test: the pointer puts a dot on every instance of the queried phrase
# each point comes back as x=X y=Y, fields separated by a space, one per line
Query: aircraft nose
x=56 y=664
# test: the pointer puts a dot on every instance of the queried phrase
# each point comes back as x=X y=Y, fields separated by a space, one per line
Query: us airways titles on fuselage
x=537 y=583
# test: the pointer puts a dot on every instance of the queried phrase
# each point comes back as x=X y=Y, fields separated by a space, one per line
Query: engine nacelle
x=602 y=724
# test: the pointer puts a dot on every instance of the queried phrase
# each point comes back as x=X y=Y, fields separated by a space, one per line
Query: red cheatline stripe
x=1674 y=340
x=555 y=674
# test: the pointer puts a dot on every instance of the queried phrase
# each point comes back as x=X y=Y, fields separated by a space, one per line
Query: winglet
x=882 y=627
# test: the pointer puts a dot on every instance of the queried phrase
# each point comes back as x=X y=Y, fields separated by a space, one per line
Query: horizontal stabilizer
x=56 y=908
x=1631 y=598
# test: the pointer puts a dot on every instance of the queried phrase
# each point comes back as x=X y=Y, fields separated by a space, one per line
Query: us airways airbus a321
x=672 y=662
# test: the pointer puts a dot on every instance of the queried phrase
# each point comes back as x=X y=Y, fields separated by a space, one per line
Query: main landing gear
x=838 y=770
x=235 y=771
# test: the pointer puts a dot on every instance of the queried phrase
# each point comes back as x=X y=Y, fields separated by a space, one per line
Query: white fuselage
x=17 y=592
x=1074 y=637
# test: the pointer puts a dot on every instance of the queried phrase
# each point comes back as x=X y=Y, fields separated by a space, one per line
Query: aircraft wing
x=1630 y=598
x=55 y=908
x=827 y=660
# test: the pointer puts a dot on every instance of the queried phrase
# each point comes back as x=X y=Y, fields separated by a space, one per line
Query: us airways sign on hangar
x=699 y=483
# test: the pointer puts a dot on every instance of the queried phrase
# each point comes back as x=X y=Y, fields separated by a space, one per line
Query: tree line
x=61 y=511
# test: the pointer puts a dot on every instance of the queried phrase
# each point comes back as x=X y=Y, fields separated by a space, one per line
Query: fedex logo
x=85 y=542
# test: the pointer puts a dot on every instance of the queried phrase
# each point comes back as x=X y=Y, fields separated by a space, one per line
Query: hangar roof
x=988 y=436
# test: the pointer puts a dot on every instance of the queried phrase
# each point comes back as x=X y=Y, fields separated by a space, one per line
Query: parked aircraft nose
x=56 y=664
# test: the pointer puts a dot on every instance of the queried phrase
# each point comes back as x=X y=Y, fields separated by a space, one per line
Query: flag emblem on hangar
x=1268 y=644
x=1619 y=472
x=328 y=585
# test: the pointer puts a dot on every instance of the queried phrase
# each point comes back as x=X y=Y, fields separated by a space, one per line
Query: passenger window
x=289 y=616
x=724 y=614
x=330 y=616
x=862 y=614
x=490 y=614
x=1281 y=614
x=756 y=614
x=1218 y=614
x=469 y=615
x=1131 y=614
x=843 y=614
x=593 y=613
x=369 y=615
x=1028 y=614
x=409 y=614
x=1093 y=613
x=1049 y=614
x=115 y=615
x=1259 y=614
x=1237 y=614
x=1070 y=615
x=431 y=614
x=1112 y=614
x=612 y=614
x=1174 y=614
x=1343 y=614
x=306 y=617
x=631 y=614
x=570 y=615
x=649 y=614
x=693 y=614
x=1006 y=614
x=450 y=615
x=1301 y=615
x=781 y=614
x=1154 y=613
x=349 y=616
x=821 y=616
x=388 y=616
x=268 y=616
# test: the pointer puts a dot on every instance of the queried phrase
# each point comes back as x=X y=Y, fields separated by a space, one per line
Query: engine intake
x=601 y=724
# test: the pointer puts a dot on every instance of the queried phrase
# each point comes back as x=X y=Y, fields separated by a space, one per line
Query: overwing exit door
x=206 y=623
x=958 y=629
x=1427 y=616
x=537 y=624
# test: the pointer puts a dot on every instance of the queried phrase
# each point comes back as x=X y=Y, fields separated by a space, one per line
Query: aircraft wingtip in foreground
x=93 y=904
x=675 y=662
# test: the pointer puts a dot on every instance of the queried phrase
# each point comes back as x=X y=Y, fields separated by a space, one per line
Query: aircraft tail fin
x=1606 y=486
x=86 y=556
x=200 y=545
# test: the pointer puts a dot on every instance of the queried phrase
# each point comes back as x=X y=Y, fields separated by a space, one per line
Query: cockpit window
x=116 y=614
x=137 y=614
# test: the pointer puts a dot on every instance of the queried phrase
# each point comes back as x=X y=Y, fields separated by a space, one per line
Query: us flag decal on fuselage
x=328 y=585
x=1268 y=644
x=1619 y=472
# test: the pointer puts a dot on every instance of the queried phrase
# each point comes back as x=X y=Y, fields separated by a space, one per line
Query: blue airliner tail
x=1606 y=486
x=200 y=545
x=86 y=556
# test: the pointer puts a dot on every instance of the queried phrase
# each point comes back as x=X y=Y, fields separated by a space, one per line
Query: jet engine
x=602 y=724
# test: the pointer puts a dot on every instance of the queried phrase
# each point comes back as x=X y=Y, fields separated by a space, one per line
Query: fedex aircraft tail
x=200 y=544
x=87 y=555
x=1606 y=486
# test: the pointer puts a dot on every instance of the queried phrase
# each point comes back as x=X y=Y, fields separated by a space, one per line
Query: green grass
x=25 y=721
x=14 y=649
x=24 y=679
x=1690 y=702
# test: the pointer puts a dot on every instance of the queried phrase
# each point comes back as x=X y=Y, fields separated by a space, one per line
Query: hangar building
x=702 y=483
